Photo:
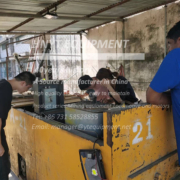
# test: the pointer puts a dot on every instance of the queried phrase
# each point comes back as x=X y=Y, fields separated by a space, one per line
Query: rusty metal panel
x=51 y=153
x=144 y=144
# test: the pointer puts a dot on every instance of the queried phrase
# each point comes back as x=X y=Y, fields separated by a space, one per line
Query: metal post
x=7 y=61
x=7 y=68
x=46 y=62
x=165 y=31
x=116 y=47
x=81 y=55
x=124 y=51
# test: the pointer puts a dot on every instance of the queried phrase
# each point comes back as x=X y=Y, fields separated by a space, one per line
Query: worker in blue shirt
x=168 y=78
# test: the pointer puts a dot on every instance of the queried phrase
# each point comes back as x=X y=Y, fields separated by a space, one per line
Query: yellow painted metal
x=145 y=135
x=139 y=137
x=50 y=154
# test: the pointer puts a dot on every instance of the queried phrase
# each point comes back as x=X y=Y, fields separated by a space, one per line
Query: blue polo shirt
x=168 y=78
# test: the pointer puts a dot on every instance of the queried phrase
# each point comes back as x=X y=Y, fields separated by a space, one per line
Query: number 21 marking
x=138 y=139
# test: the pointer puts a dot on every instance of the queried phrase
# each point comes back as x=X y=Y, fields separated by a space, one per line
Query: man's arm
x=1 y=147
x=156 y=98
x=114 y=94
x=165 y=79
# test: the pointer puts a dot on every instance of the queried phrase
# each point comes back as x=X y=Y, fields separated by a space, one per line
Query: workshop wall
x=101 y=41
x=146 y=34
x=173 y=12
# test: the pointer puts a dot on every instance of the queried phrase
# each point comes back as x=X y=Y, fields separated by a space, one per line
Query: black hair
x=26 y=76
x=84 y=82
x=104 y=73
x=174 y=32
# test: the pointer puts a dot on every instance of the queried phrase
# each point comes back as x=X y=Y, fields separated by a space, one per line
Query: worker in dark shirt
x=119 y=87
x=21 y=83
x=93 y=85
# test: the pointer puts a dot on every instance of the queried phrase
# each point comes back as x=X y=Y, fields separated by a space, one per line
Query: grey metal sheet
x=77 y=8
x=132 y=6
x=42 y=25
x=25 y=5
x=46 y=22
x=8 y=22
x=79 y=26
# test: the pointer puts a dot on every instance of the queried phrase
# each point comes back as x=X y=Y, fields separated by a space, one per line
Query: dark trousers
x=4 y=160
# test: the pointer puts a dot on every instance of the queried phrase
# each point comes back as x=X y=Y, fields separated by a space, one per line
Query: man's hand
x=81 y=96
x=102 y=99
x=1 y=150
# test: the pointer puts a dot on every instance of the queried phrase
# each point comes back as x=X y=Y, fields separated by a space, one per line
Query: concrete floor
x=12 y=176
x=178 y=178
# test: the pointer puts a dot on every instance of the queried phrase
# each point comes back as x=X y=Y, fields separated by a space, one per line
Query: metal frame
x=82 y=65
x=123 y=17
x=44 y=35
x=7 y=53
x=93 y=14
x=38 y=16
x=39 y=13
x=152 y=7
x=7 y=61
x=76 y=19
x=33 y=33
x=87 y=17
